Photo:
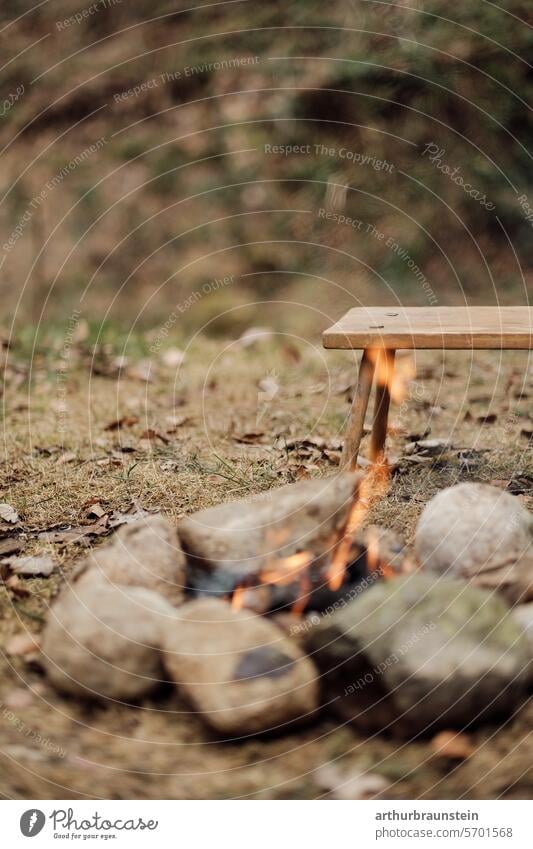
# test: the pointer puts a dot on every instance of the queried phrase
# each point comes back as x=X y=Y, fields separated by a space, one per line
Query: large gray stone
x=418 y=653
x=523 y=615
x=480 y=533
x=238 y=670
x=145 y=553
x=102 y=641
x=225 y=544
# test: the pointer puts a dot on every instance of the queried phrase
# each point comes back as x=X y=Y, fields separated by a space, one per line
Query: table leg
x=356 y=421
x=378 y=438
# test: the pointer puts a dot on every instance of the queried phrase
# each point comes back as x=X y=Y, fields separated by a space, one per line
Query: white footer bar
x=267 y=824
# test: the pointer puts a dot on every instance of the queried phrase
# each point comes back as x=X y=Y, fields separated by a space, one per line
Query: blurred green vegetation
x=183 y=191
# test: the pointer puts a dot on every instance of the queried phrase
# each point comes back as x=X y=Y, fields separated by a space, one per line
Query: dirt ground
x=86 y=441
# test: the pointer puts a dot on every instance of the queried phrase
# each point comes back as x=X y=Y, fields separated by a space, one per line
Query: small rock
x=18 y=699
x=8 y=514
x=253 y=335
x=342 y=783
x=11 y=545
x=29 y=566
x=172 y=357
x=479 y=533
x=238 y=670
x=101 y=641
x=228 y=543
x=414 y=654
x=450 y=744
x=143 y=371
x=147 y=554
x=22 y=644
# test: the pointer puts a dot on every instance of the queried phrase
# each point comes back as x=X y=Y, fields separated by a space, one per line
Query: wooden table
x=381 y=331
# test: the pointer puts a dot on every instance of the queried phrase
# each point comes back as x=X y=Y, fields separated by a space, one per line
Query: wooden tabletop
x=433 y=327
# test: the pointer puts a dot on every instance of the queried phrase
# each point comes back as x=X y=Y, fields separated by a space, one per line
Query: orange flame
x=292 y=569
x=374 y=560
x=395 y=374
x=372 y=550
x=286 y=569
x=237 y=600
x=372 y=487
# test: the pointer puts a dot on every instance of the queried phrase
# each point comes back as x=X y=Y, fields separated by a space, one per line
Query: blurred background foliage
x=183 y=191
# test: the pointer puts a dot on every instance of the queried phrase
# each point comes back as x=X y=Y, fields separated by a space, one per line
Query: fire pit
x=309 y=548
x=383 y=647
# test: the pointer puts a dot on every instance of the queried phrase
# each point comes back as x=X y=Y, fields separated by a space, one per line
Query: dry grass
x=198 y=418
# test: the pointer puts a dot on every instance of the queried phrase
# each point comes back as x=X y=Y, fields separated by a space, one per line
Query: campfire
x=312 y=578
x=377 y=646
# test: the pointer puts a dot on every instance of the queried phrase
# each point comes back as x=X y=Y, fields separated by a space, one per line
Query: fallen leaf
x=520 y=485
x=117 y=518
x=249 y=438
x=174 y=422
x=450 y=744
x=8 y=514
x=299 y=472
x=67 y=457
x=428 y=447
x=291 y=352
x=150 y=434
x=69 y=536
x=18 y=587
x=94 y=510
x=314 y=442
x=40 y=565
x=124 y=421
